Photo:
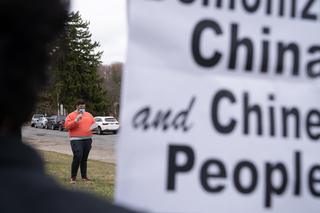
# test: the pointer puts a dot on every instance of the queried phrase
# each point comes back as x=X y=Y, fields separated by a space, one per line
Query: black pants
x=80 y=149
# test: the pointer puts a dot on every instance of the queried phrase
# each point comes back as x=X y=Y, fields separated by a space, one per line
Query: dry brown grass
x=101 y=174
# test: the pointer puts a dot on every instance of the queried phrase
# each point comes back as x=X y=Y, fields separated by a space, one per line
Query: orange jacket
x=80 y=128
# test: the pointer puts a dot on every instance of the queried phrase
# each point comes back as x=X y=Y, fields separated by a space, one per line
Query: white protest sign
x=221 y=107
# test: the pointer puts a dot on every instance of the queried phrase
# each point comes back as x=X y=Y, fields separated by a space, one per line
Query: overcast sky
x=108 y=25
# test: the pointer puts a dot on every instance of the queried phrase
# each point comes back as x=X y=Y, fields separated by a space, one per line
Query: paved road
x=106 y=141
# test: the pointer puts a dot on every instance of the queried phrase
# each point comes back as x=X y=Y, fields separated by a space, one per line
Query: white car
x=107 y=124
x=35 y=118
x=41 y=123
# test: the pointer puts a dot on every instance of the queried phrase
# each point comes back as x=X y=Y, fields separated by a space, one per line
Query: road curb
x=100 y=154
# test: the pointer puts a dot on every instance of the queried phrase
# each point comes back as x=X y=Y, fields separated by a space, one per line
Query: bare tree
x=112 y=75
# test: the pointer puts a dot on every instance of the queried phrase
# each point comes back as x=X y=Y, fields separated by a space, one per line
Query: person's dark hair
x=79 y=102
x=28 y=26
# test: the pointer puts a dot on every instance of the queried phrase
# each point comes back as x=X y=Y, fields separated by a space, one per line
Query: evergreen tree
x=74 y=68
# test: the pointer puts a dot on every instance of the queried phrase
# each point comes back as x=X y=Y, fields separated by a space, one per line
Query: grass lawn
x=101 y=174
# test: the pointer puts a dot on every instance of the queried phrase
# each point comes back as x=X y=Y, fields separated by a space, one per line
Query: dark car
x=54 y=121
x=61 y=125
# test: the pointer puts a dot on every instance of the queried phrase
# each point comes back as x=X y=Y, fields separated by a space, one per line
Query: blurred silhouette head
x=28 y=27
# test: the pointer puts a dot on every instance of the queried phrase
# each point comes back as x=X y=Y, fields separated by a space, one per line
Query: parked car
x=41 y=123
x=35 y=118
x=61 y=125
x=107 y=124
x=54 y=121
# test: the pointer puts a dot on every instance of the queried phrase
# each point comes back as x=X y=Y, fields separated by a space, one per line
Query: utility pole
x=58 y=102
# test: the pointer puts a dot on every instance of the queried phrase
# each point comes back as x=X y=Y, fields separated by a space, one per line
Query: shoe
x=73 y=180
x=86 y=180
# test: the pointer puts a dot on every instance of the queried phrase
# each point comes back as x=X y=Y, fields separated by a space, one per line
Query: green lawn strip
x=101 y=174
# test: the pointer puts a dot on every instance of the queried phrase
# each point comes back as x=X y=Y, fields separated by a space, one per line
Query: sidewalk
x=105 y=155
